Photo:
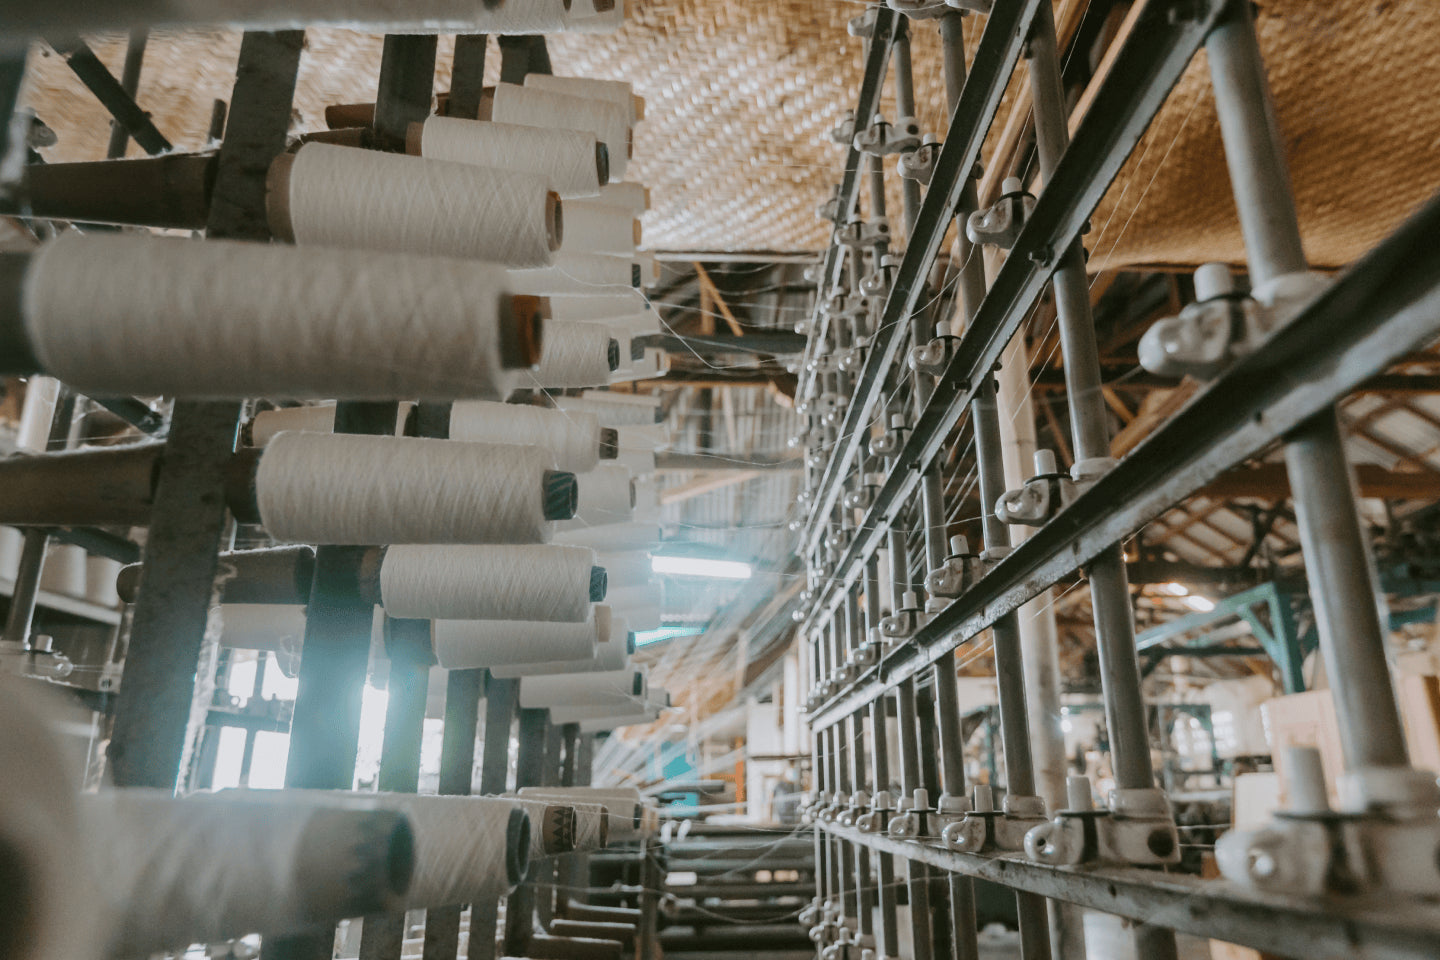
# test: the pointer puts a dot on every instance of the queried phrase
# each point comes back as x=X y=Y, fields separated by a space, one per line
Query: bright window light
x=1199 y=604
x=701 y=567
x=1173 y=589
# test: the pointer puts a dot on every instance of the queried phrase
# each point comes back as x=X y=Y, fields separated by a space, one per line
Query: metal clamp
x=862 y=26
x=1042 y=496
x=851 y=234
x=889 y=443
x=882 y=138
x=1000 y=224
x=985 y=829
x=920 y=9
x=903 y=623
x=919 y=164
x=911 y=815
x=877 y=818
x=862 y=498
x=958 y=573
x=1391 y=843
x=830 y=208
x=1137 y=828
x=842 y=135
x=934 y=357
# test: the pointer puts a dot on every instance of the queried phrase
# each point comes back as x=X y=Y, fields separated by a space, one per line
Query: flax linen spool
x=130 y=314
x=578 y=275
x=614 y=409
x=577 y=439
x=606 y=495
x=613 y=654
x=624 y=810
x=618 y=92
x=553 y=826
x=331 y=196
x=634 y=197
x=618 y=688
x=353 y=489
x=472 y=644
x=627 y=304
x=313 y=418
x=204 y=869
x=576 y=355
x=512 y=103
x=497 y=582
x=575 y=163
x=592 y=227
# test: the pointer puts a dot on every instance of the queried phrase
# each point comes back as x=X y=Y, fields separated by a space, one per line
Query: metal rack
x=871 y=415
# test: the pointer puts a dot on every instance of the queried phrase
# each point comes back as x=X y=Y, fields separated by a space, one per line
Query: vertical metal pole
x=918 y=875
x=21 y=614
x=865 y=905
x=502 y=700
x=170 y=614
x=463 y=689
x=130 y=83
x=880 y=750
x=407 y=81
x=1338 y=564
x=905 y=107
x=1109 y=586
x=467 y=76
x=943 y=934
x=529 y=772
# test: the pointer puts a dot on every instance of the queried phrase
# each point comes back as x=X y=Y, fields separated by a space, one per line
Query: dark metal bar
x=467 y=76
x=170 y=191
x=407 y=82
x=995 y=59
x=1385 y=306
x=1137 y=85
x=463 y=689
x=520 y=55
x=529 y=772
x=1320 y=928
x=502 y=700
x=130 y=83
x=112 y=94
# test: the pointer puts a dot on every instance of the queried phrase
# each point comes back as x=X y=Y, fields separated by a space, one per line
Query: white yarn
x=500 y=582
x=353 y=489
x=649 y=267
x=629 y=194
x=592 y=227
x=461 y=843
x=624 y=809
x=613 y=409
x=574 y=438
x=643 y=436
x=607 y=21
x=600 y=724
x=197 y=870
x=564 y=157
x=647 y=500
x=573 y=355
x=606 y=496
x=471 y=644
x=40 y=830
x=608 y=688
x=617 y=92
x=640 y=462
x=136 y=314
x=575 y=275
x=613 y=536
x=368 y=199
x=605 y=306
x=626 y=569
x=612 y=654
x=532 y=107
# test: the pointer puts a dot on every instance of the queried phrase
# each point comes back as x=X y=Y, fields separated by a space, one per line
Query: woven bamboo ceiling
x=741 y=97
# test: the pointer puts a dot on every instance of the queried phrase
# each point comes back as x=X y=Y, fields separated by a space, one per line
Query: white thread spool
x=531 y=107
x=42 y=852
x=617 y=92
x=603 y=21
x=277 y=627
x=606 y=495
x=131 y=314
x=642 y=606
x=651 y=364
x=552 y=826
x=613 y=536
x=601 y=724
x=574 y=438
x=331 y=196
x=577 y=275
x=64 y=570
x=647 y=501
x=614 y=409
x=566 y=158
x=611 y=655
x=471 y=644
x=624 y=304
x=592 y=227
x=211 y=868
x=617 y=688
x=100 y=575
x=353 y=489
x=633 y=196
x=576 y=355
x=624 y=808
x=640 y=462
x=500 y=582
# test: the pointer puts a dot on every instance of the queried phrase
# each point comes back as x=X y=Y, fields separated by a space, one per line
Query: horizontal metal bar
x=1383 y=307
x=1332 y=928
x=1147 y=67
x=773 y=343
x=877 y=62
x=994 y=61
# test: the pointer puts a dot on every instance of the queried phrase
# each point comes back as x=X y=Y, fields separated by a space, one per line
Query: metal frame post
x=463 y=690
